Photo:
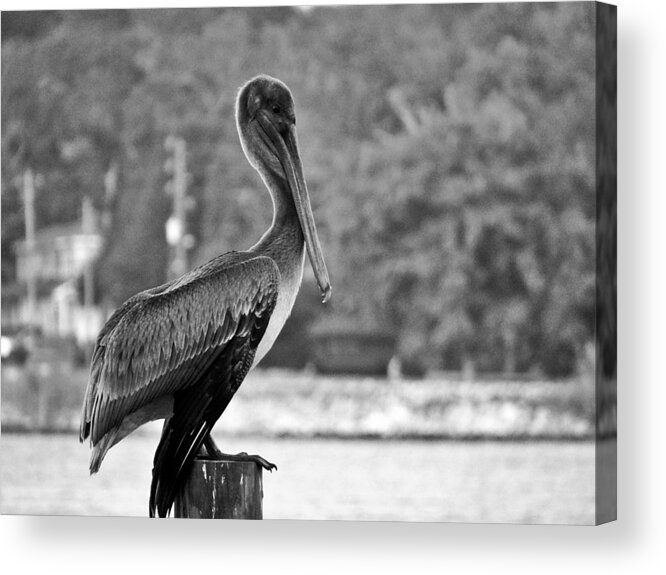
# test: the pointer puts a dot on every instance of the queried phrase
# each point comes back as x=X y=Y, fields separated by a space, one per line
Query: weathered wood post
x=221 y=490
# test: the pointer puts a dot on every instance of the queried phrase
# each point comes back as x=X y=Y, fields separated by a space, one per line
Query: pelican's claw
x=214 y=452
x=258 y=459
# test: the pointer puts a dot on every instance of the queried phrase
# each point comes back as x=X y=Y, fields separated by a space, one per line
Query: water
x=323 y=479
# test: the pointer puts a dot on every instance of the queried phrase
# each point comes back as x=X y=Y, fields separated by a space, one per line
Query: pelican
x=181 y=350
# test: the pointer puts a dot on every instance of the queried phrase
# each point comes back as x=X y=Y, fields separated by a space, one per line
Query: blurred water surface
x=540 y=482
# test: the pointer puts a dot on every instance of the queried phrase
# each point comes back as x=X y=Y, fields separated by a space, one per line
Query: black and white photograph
x=311 y=263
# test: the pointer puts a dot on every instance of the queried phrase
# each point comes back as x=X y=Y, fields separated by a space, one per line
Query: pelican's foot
x=258 y=459
x=214 y=452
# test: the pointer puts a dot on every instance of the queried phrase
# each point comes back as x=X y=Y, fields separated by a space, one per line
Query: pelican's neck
x=285 y=245
x=283 y=241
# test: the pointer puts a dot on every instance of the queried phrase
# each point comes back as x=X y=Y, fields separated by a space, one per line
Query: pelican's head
x=264 y=105
x=267 y=129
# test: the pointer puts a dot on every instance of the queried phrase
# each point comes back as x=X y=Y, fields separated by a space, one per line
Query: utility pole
x=110 y=190
x=88 y=228
x=176 y=234
x=30 y=277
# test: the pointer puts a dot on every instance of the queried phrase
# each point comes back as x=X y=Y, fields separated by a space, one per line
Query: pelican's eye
x=276 y=109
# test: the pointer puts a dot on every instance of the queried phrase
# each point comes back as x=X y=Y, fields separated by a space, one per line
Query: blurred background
x=450 y=156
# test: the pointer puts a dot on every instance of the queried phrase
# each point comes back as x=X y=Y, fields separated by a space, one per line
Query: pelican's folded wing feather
x=163 y=340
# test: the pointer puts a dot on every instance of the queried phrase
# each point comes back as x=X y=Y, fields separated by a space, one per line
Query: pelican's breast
x=290 y=282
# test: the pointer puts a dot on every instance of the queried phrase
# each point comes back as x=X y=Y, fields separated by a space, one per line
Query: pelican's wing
x=163 y=340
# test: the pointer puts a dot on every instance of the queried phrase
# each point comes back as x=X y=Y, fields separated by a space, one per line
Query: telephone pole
x=88 y=228
x=110 y=190
x=30 y=277
x=176 y=233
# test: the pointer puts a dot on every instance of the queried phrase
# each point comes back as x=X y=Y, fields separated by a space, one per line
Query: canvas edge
x=606 y=263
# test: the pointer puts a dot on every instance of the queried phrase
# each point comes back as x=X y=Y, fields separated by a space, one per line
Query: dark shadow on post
x=221 y=490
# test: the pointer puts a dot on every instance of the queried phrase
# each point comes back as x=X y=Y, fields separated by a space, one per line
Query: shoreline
x=283 y=404
x=472 y=437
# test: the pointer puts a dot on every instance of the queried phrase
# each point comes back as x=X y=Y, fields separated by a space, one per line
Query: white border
x=634 y=544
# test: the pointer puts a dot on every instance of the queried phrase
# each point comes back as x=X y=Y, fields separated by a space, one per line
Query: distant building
x=60 y=260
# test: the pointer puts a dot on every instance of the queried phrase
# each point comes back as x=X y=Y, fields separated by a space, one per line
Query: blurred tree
x=62 y=111
x=475 y=215
x=449 y=152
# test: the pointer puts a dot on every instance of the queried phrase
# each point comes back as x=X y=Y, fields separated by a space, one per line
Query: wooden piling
x=221 y=490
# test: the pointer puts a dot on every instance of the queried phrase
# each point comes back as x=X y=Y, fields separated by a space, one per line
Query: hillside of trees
x=449 y=152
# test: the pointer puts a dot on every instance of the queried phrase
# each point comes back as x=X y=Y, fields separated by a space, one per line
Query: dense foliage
x=449 y=152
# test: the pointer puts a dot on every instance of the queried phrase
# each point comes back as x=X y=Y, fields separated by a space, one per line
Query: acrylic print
x=310 y=263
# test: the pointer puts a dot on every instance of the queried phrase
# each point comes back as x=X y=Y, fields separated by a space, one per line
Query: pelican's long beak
x=287 y=152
